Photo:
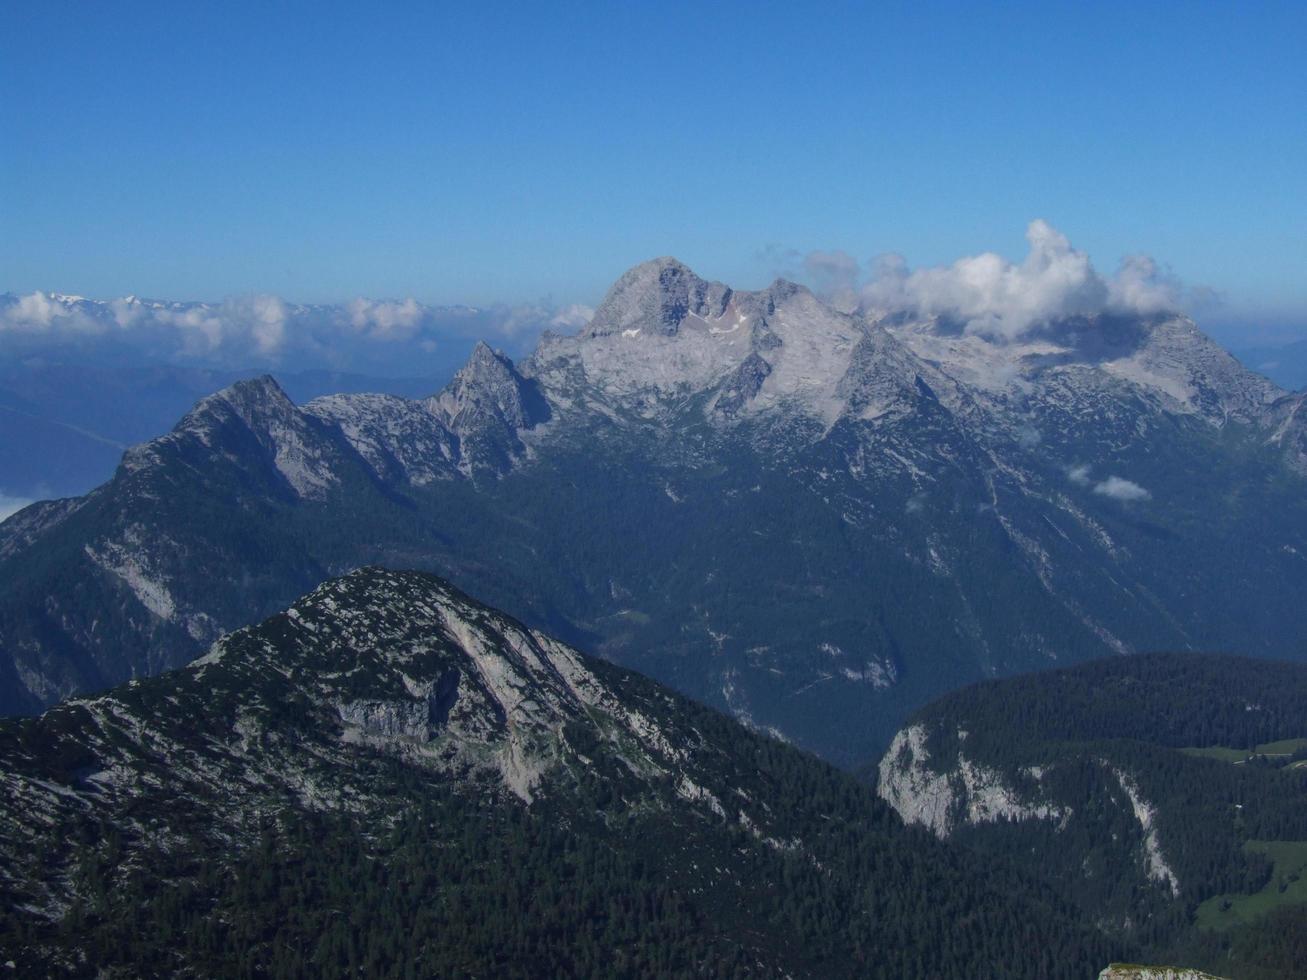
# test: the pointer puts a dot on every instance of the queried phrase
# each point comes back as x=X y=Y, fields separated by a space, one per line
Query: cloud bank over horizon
x=986 y=294
x=995 y=297
x=402 y=336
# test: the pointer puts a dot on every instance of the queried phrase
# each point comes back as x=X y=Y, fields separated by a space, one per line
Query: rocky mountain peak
x=664 y=334
x=405 y=659
x=377 y=662
x=1131 y=971
x=783 y=289
x=484 y=359
x=487 y=404
x=259 y=410
x=488 y=386
x=250 y=399
x=656 y=296
x=1077 y=458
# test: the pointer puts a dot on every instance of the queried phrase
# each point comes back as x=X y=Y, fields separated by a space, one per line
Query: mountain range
x=815 y=520
x=64 y=423
x=389 y=778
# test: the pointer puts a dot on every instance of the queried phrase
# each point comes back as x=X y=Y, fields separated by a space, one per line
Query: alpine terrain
x=816 y=520
x=1166 y=794
x=390 y=779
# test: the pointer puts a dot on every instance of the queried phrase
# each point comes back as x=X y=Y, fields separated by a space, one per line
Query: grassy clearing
x=1284 y=747
x=1220 y=753
x=1288 y=886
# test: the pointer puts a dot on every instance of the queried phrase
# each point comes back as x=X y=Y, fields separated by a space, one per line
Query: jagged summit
x=487 y=405
x=664 y=335
x=657 y=296
x=661 y=328
x=488 y=374
x=484 y=353
x=249 y=396
x=664 y=332
x=782 y=288
x=660 y=295
x=255 y=410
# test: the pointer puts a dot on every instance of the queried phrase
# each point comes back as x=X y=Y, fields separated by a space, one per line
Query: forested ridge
x=1182 y=733
x=247 y=832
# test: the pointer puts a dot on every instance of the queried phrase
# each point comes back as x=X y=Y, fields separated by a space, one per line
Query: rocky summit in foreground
x=390 y=779
x=1129 y=971
x=815 y=519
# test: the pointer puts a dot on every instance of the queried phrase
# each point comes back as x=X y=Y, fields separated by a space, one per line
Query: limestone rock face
x=657 y=296
x=403 y=441
x=743 y=385
x=943 y=794
x=1126 y=971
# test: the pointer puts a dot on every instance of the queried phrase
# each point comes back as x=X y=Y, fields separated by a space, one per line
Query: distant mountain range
x=815 y=520
x=81 y=379
x=76 y=392
x=64 y=426
x=391 y=779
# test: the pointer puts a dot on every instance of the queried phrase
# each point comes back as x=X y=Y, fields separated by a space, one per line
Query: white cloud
x=1119 y=488
x=267 y=321
x=126 y=311
x=265 y=331
x=198 y=329
x=513 y=321
x=572 y=317
x=1142 y=285
x=993 y=296
x=40 y=312
x=385 y=320
x=1078 y=474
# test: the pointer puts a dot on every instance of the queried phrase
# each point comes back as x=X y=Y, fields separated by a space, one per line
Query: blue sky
x=483 y=151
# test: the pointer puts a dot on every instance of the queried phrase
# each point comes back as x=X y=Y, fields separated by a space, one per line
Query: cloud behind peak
x=996 y=297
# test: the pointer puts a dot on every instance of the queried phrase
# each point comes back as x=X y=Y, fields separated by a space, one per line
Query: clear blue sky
x=483 y=151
